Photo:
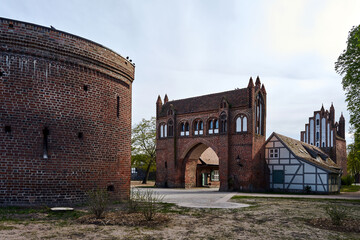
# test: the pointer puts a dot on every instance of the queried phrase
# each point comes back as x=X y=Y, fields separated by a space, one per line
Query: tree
x=354 y=156
x=348 y=65
x=143 y=143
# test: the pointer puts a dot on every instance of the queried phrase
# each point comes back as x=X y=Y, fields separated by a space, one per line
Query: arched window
x=223 y=123
x=184 y=129
x=187 y=130
x=163 y=130
x=259 y=115
x=170 y=128
x=198 y=127
x=241 y=124
x=213 y=126
x=216 y=126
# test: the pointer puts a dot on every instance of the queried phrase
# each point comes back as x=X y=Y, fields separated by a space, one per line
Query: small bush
x=307 y=189
x=336 y=213
x=135 y=199
x=98 y=202
x=149 y=203
x=347 y=180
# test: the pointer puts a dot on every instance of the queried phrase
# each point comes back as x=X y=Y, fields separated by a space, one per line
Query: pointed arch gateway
x=200 y=166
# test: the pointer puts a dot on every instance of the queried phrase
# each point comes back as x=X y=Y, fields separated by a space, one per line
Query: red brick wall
x=44 y=74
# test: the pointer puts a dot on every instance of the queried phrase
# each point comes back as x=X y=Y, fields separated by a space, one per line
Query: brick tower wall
x=80 y=92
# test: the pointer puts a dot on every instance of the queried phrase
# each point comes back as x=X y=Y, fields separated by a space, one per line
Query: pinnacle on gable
x=166 y=99
x=159 y=100
x=263 y=88
x=322 y=108
x=257 y=82
x=251 y=83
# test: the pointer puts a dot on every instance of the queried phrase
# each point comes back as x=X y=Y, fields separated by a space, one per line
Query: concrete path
x=197 y=198
x=212 y=198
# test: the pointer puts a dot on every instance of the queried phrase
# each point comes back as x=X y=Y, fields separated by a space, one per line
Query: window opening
x=215 y=175
x=278 y=176
x=171 y=128
x=274 y=153
x=85 y=88
x=187 y=129
x=182 y=129
x=80 y=135
x=7 y=129
x=45 y=143
x=110 y=188
x=118 y=106
x=216 y=126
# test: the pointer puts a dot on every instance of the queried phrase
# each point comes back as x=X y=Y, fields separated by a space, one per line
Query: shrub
x=307 y=189
x=149 y=203
x=336 y=213
x=135 y=199
x=98 y=202
x=347 y=180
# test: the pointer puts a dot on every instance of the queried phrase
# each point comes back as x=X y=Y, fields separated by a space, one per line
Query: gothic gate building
x=232 y=124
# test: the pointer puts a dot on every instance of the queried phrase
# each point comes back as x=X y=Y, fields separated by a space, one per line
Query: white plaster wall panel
x=288 y=178
x=278 y=167
x=290 y=169
x=284 y=161
x=278 y=144
x=326 y=187
x=298 y=179
x=321 y=171
x=273 y=161
x=323 y=178
x=281 y=186
x=309 y=178
x=309 y=168
x=292 y=156
x=270 y=179
x=296 y=187
x=294 y=161
x=270 y=170
x=284 y=153
x=269 y=144
x=266 y=153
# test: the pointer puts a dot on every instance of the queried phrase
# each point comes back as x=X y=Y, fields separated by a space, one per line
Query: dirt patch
x=267 y=218
x=347 y=225
x=124 y=219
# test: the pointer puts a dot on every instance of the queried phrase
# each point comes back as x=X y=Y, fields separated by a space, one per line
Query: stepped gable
x=308 y=153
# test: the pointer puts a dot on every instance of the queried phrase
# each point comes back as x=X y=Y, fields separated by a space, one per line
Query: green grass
x=300 y=199
x=23 y=214
x=351 y=188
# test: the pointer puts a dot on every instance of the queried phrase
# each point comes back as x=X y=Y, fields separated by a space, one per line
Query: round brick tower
x=65 y=117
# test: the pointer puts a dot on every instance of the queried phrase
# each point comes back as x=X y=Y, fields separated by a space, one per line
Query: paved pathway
x=197 y=198
x=212 y=198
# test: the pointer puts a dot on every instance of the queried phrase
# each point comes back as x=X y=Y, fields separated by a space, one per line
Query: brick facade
x=324 y=132
x=65 y=117
x=180 y=144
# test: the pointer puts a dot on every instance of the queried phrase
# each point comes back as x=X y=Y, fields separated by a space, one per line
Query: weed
x=336 y=213
x=149 y=203
x=98 y=202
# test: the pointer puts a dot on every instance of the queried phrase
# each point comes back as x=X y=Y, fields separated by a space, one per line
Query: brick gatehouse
x=232 y=124
x=65 y=117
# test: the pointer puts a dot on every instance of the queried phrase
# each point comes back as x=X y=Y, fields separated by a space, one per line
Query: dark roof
x=235 y=98
x=309 y=153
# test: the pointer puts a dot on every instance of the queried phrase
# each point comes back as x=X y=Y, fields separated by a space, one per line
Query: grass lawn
x=351 y=188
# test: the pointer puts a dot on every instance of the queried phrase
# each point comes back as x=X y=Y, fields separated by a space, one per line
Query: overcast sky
x=191 y=48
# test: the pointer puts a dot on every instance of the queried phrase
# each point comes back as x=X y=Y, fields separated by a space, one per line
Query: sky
x=191 y=48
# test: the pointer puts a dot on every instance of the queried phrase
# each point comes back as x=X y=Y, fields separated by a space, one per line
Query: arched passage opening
x=201 y=167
